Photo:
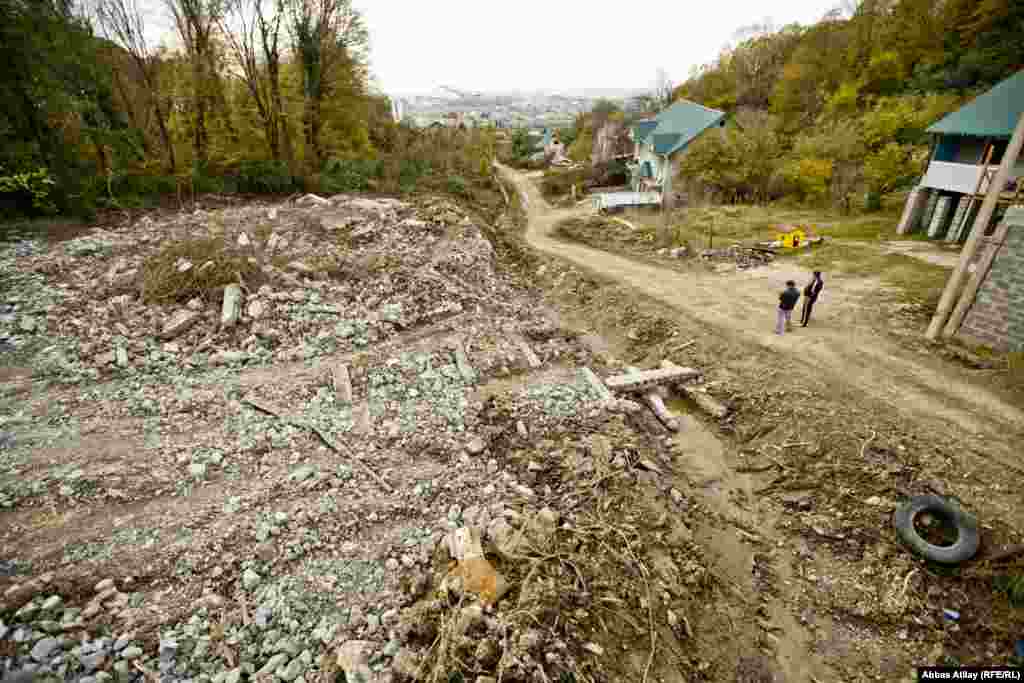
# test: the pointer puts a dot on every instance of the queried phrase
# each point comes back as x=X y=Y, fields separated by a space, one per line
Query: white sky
x=483 y=45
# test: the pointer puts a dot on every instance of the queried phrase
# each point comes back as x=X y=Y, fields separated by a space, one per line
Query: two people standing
x=788 y=299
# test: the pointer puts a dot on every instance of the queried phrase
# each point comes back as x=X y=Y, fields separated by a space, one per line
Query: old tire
x=967 y=539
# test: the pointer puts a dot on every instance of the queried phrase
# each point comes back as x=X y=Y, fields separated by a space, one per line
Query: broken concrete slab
x=232 y=306
x=342 y=383
x=179 y=323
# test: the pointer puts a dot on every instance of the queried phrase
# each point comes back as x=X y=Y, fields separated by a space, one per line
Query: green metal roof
x=666 y=143
x=643 y=128
x=680 y=124
x=992 y=114
x=645 y=170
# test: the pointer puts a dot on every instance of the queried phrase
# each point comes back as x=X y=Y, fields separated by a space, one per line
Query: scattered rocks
x=179 y=323
x=476 y=446
x=250 y=579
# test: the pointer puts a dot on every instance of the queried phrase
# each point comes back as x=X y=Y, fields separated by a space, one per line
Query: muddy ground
x=224 y=502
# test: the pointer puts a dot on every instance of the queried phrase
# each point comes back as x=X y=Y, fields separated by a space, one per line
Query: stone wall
x=996 y=318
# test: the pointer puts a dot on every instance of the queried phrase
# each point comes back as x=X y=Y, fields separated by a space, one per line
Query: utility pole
x=988 y=207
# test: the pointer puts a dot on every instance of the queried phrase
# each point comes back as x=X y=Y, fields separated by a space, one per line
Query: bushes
x=350 y=175
x=558 y=183
x=265 y=177
x=30 y=191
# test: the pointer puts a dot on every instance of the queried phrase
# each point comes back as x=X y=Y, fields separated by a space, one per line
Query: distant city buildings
x=477 y=110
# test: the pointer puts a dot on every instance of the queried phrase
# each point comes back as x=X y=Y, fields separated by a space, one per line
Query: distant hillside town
x=449 y=107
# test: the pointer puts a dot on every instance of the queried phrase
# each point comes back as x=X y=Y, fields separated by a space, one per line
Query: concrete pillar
x=911 y=218
x=958 y=218
x=940 y=217
x=929 y=209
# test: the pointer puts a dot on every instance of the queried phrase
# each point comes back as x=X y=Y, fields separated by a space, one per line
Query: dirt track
x=837 y=344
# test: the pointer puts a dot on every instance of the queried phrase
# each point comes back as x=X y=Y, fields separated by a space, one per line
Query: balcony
x=962 y=178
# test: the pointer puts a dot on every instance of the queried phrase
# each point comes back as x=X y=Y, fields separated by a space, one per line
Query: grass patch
x=916 y=281
x=214 y=264
x=731 y=224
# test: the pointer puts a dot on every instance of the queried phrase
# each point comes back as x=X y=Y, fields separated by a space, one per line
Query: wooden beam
x=976 y=280
x=956 y=278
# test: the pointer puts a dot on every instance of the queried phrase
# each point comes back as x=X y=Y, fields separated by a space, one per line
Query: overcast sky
x=483 y=45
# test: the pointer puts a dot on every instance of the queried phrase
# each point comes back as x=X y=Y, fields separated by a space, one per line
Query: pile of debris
x=275 y=418
x=744 y=257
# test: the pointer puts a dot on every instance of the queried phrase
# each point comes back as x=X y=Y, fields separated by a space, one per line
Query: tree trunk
x=165 y=136
x=199 y=142
x=311 y=123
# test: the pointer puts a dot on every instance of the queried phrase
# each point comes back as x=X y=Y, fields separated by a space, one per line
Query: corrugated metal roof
x=684 y=121
x=992 y=114
x=643 y=128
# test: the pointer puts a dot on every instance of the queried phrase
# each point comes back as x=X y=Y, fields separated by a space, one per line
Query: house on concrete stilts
x=968 y=147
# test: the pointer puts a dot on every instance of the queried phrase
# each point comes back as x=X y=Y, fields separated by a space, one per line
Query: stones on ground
x=27 y=323
x=183 y=265
x=273 y=664
x=250 y=579
x=179 y=323
x=133 y=652
x=300 y=267
x=232 y=306
x=228 y=357
x=121 y=355
x=103 y=585
x=354 y=660
x=256 y=309
x=243 y=240
x=476 y=446
x=302 y=473
x=195 y=304
x=46 y=647
x=197 y=470
x=51 y=603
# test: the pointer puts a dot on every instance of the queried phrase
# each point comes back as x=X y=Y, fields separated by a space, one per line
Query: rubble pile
x=270 y=469
x=744 y=257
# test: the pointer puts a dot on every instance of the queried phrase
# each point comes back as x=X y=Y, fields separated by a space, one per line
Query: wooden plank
x=705 y=402
x=650 y=378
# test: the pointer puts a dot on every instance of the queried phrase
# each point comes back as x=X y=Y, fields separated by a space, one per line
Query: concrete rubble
x=297 y=443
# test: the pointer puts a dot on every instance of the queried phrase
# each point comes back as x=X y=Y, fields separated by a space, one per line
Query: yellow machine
x=794 y=239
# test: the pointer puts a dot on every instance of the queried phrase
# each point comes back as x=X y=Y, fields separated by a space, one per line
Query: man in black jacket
x=787 y=302
x=811 y=292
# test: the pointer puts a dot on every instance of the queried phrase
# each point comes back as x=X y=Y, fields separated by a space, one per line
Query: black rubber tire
x=967 y=538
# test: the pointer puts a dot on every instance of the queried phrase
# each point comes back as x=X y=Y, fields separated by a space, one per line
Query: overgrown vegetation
x=261 y=98
x=835 y=113
x=194 y=268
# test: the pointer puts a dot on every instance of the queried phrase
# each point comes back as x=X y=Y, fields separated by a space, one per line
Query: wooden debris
x=303 y=424
x=657 y=406
x=648 y=378
x=706 y=403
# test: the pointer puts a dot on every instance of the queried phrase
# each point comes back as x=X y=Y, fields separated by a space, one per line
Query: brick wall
x=997 y=316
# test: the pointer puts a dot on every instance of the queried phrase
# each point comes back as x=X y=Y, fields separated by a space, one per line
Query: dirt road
x=837 y=343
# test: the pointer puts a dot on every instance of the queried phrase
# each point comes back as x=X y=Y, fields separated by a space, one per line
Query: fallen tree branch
x=303 y=424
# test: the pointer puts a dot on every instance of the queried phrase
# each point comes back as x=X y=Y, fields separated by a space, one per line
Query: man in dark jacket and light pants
x=787 y=302
x=811 y=292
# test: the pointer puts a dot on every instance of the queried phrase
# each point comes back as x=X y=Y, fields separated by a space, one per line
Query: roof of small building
x=991 y=114
x=643 y=128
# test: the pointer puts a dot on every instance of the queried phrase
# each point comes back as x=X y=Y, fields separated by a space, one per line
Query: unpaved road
x=844 y=349
x=917 y=387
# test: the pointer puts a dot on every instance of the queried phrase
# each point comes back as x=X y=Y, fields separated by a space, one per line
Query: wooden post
x=977 y=278
x=988 y=207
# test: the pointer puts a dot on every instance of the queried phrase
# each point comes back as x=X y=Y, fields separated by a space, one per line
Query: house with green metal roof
x=661 y=141
x=969 y=144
